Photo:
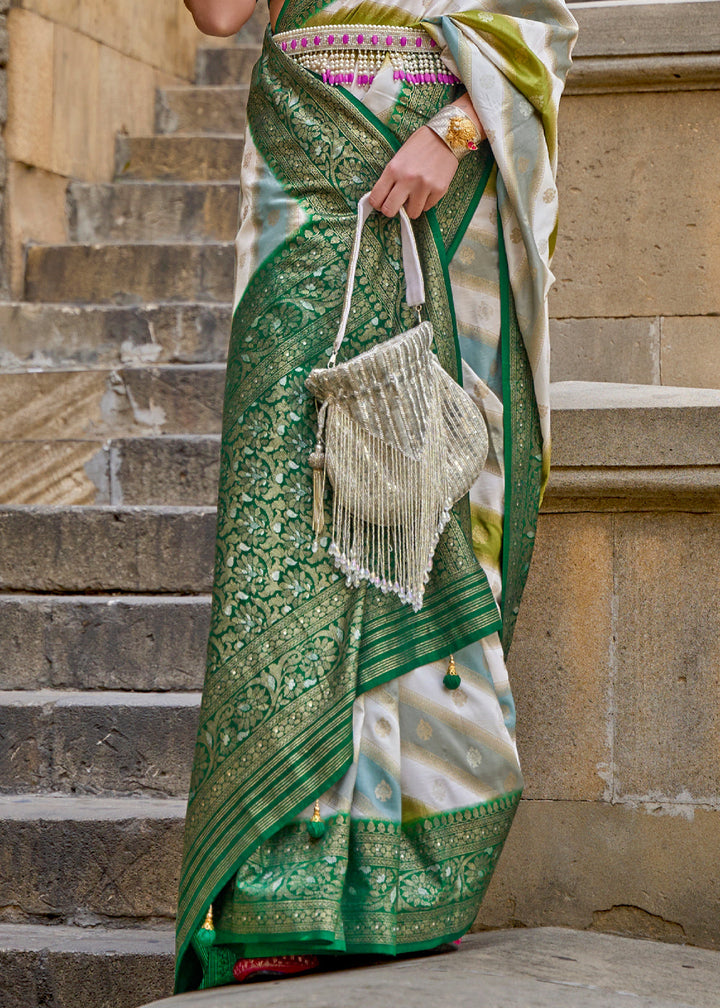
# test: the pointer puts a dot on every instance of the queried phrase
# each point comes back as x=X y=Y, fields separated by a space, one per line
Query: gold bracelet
x=456 y=129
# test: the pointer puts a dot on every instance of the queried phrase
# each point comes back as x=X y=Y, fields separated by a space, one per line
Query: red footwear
x=274 y=966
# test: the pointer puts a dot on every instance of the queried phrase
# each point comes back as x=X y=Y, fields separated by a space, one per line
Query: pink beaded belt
x=347 y=54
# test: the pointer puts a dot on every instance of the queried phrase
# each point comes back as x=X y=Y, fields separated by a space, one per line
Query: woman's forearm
x=220 y=17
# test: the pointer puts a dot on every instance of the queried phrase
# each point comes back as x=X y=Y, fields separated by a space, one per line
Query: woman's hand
x=220 y=17
x=421 y=172
x=417 y=177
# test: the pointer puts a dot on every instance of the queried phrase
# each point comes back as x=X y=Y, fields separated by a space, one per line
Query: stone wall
x=4 y=4
x=637 y=297
x=78 y=74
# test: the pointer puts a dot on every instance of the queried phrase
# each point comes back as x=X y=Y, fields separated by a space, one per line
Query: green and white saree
x=316 y=691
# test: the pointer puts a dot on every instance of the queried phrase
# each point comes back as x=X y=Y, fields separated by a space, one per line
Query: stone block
x=166 y=470
x=72 y=965
x=690 y=351
x=77 y=858
x=635 y=240
x=143 y=211
x=194 y=110
x=181 y=158
x=96 y=549
x=54 y=472
x=97 y=743
x=103 y=642
x=57 y=336
x=36 y=211
x=606 y=350
x=667 y=684
x=602 y=424
x=560 y=662
x=29 y=131
x=133 y=28
x=581 y=864
x=130 y=274
x=78 y=404
x=227 y=66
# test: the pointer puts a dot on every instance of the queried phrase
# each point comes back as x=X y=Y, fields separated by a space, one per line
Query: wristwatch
x=456 y=129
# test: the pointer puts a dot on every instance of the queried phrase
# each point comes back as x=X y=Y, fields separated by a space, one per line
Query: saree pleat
x=315 y=690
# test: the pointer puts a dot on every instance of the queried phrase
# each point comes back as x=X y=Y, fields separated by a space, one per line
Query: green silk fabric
x=290 y=645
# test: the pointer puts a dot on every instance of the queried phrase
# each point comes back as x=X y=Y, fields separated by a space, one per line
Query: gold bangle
x=456 y=130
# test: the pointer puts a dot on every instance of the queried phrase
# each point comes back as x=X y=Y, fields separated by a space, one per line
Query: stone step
x=106 y=336
x=227 y=66
x=155 y=470
x=70 y=859
x=539 y=967
x=130 y=273
x=149 y=550
x=97 y=743
x=103 y=642
x=179 y=158
x=152 y=211
x=66 y=966
x=197 y=109
x=68 y=405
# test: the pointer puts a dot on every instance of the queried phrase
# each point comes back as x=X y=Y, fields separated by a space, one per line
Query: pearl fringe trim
x=347 y=54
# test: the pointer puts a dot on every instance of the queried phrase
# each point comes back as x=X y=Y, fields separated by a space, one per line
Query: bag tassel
x=317 y=463
x=316 y=827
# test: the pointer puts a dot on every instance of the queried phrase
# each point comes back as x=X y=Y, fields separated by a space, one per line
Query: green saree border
x=522 y=453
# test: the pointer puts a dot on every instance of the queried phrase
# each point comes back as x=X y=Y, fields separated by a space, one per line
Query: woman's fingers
x=417 y=177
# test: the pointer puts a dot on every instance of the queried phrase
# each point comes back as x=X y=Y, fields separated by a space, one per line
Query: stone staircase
x=111 y=379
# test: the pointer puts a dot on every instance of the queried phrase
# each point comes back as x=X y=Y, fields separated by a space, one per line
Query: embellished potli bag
x=400 y=442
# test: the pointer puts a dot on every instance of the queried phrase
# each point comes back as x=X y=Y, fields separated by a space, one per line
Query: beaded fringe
x=389 y=508
x=355 y=54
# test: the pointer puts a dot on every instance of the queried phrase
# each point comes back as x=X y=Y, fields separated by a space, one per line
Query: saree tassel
x=316 y=827
x=204 y=937
x=451 y=679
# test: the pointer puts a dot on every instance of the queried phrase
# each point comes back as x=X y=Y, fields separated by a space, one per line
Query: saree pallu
x=316 y=691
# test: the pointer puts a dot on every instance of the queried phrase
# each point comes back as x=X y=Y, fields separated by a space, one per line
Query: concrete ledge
x=70 y=966
x=665 y=46
x=542 y=968
x=634 y=447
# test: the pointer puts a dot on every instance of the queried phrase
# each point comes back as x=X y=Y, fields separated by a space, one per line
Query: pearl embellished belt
x=347 y=54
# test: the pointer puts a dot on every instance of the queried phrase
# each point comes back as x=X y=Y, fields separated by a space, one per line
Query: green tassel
x=451 y=679
x=316 y=828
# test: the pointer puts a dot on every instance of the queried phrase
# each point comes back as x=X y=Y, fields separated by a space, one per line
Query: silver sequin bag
x=400 y=442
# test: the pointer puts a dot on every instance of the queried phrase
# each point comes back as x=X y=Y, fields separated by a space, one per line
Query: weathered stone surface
x=596 y=424
x=35 y=210
x=182 y=158
x=165 y=470
x=96 y=549
x=634 y=238
x=226 y=67
x=143 y=211
x=571 y=863
x=560 y=661
x=192 y=110
x=533 y=968
x=90 y=336
x=690 y=351
x=54 y=472
x=667 y=684
x=126 y=402
x=97 y=743
x=130 y=274
x=81 y=859
x=606 y=350
x=71 y=966
x=103 y=642
x=630 y=28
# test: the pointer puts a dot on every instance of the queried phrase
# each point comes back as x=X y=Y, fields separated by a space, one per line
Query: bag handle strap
x=414 y=284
